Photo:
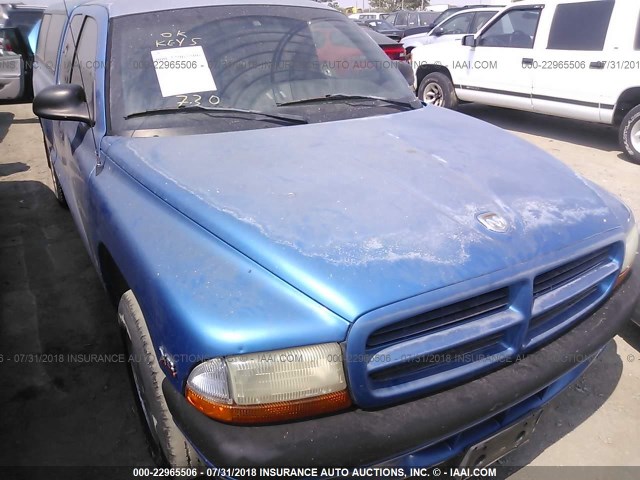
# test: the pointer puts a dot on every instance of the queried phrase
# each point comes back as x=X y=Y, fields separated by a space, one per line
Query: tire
x=437 y=89
x=167 y=444
x=629 y=135
x=57 y=188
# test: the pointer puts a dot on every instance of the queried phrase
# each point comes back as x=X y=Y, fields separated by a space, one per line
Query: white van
x=570 y=58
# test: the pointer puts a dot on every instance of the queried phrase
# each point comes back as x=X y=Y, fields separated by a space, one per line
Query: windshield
x=250 y=57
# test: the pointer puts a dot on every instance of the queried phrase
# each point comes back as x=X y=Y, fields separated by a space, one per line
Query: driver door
x=494 y=73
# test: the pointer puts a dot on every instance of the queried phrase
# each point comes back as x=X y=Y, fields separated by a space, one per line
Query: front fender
x=201 y=298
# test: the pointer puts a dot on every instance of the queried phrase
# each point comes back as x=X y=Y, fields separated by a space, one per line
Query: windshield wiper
x=340 y=96
x=201 y=108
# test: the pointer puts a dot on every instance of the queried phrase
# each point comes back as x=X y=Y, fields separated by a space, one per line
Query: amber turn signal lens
x=621 y=278
x=271 y=412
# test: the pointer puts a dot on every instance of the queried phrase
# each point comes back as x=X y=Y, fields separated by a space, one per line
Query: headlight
x=270 y=386
x=630 y=251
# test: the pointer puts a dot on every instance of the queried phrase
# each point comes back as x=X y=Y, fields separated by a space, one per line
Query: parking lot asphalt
x=64 y=387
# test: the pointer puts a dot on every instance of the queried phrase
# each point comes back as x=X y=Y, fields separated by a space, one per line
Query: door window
x=413 y=20
x=85 y=64
x=515 y=29
x=68 y=49
x=580 y=26
x=42 y=36
x=457 y=25
x=52 y=42
x=480 y=20
x=401 y=19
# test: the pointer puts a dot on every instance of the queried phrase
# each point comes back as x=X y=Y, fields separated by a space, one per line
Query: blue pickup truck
x=310 y=267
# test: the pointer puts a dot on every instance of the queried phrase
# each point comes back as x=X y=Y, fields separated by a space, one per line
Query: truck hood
x=362 y=213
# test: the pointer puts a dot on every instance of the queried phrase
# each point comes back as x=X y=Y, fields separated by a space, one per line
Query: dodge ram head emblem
x=494 y=222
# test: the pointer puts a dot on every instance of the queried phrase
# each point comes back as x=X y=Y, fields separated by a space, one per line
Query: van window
x=514 y=29
x=52 y=43
x=84 y=64
x=580 y=26
x=44 y=29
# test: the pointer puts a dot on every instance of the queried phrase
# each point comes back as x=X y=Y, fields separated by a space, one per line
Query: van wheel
x=437 y=89
x=167 y=444
x=57 y=188
x=630 y=134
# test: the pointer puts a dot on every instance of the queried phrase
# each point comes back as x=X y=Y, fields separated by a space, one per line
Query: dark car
x=393 y=49
x=405 y=19
x=24 y=18
x=385 y=28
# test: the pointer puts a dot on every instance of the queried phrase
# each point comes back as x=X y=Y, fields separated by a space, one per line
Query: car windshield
x=254 y=58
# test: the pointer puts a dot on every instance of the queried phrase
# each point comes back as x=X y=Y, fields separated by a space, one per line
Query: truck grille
x=466 y=310
x=566 y=273
x=452 y=343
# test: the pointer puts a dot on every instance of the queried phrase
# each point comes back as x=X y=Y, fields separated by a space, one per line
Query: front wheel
x=630 y=134
x=167 y=443
x=437 y=89
x=57 y=188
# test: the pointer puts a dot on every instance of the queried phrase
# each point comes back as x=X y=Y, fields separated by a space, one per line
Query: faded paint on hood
x=362 y=213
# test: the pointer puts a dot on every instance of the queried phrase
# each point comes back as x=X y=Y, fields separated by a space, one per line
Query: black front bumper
x=361 y=437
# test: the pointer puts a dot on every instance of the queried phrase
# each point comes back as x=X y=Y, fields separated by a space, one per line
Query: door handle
x=597 y=65
x=527 y=61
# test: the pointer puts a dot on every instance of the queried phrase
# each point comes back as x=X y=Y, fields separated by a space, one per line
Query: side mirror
x=469 y=41
x=407 y=71
x=438 y=32
x=66 y=102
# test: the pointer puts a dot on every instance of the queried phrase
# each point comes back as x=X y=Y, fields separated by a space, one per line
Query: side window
x=52 y=42
x=457 y=25
x=480 y=20
x=392 y=18
x=515 y=29
x=401 y=19
x=413 y=20
x=84 y=72
x=580 y=26
x=68 y=48
x=42 y=37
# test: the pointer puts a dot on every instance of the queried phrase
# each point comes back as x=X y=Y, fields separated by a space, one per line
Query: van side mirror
x=66 y=102
x=469 y=41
